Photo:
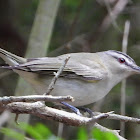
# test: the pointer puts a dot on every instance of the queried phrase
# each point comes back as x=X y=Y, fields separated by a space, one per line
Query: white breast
x=83 y=92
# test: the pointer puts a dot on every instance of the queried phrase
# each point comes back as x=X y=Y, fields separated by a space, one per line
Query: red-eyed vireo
x=87 y=77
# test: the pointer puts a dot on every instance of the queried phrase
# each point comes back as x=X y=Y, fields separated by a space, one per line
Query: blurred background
x=79 y=25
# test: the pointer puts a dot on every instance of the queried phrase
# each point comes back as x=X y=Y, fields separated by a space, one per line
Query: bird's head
x=120 y=63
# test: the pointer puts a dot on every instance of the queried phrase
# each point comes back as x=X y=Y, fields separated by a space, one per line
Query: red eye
x=121 y=60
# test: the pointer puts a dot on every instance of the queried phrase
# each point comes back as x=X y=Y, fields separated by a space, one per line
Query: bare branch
x=44 y=112
x=19 y=105
x=40 y=110
x=51 y=86
x=117 y=9
x=98 y=117
x=124 y=118
x=121 y=118
x=109 y=9
x=85 y=41
x=34 y=98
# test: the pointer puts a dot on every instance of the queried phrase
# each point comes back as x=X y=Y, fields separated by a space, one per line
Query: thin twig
x=16 y=119
x=123 y=85
x=116 y=10
x=109 y=9
x=122 y=118
x=51 y=86
x=99 y=117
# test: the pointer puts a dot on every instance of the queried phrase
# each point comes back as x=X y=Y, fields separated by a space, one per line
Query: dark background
x=81 y=21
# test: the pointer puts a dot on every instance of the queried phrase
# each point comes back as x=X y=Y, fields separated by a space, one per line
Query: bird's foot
x=74 y=109
x=89 y=111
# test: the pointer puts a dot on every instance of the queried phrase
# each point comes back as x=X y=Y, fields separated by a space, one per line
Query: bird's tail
x=11 y=59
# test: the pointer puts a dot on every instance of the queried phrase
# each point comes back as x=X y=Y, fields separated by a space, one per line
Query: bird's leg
x=74 y=109
x=91 y=113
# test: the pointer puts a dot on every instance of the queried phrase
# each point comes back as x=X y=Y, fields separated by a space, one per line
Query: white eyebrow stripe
x=127 y=56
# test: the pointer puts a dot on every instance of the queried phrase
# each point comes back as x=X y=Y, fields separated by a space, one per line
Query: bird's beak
x=136 y=69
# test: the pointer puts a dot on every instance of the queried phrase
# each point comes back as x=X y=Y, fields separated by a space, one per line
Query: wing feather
x=77 y=65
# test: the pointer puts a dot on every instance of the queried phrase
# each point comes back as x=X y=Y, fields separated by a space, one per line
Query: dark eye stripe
x=124 y=55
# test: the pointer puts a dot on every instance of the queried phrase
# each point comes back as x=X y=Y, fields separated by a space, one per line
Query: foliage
x=13 y=134
x=40 y=131
x=100 y=135
x=37 y=131
x=82 y=134
x=96 y=134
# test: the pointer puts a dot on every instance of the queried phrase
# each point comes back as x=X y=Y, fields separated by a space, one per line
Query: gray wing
x=77 y=67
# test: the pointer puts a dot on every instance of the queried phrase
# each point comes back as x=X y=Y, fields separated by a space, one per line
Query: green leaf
x=12 y=133
x=100 y=135
x=42 y=130
x=30 y=130
x=38 y=131
x=97 y=134
x=82 y=134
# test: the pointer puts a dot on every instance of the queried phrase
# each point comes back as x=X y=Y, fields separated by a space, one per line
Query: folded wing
x=78 y=66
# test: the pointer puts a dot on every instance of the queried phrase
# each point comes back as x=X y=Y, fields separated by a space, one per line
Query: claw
x=91 y=113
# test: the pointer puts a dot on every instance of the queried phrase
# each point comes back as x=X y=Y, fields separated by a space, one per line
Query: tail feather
x=11 y=59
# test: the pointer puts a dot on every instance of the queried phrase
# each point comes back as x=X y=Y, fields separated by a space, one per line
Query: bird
x=88 y=77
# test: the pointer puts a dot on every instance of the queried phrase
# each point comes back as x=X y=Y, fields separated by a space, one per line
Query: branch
x=45 y=112
x=51 y=86
x=40 y=110
x=121 y=118
x=16 y=103
x=33 y=98
x=112 y=15
x=86 y=41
